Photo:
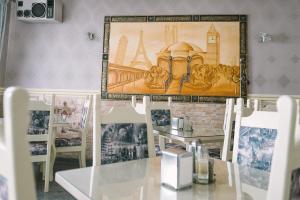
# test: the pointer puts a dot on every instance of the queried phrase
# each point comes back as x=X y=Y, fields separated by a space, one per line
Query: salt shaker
x=187 y=124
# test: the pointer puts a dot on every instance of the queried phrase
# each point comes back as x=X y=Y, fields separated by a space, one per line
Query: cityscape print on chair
x=3 y=188
x=250 y=177
x=123 y=142
x=161 y=117
x=74 y=139
x=255 y=147
x=39 y=122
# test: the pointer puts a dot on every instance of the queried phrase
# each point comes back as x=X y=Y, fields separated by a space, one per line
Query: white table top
x=141 y=180
x=204 y=135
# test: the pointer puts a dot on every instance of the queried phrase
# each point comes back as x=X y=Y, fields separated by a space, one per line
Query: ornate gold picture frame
x=193 y=58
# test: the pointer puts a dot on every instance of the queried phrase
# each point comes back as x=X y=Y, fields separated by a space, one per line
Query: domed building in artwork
x=184 y=55
x=182 y=63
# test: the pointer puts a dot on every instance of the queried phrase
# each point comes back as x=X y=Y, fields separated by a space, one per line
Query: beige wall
x=60 y=55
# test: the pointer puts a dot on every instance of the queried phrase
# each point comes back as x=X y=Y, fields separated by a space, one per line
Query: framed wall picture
x=193 y=58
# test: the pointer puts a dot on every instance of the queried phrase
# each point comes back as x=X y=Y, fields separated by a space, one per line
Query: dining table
x=140 y=180
x=198 y=134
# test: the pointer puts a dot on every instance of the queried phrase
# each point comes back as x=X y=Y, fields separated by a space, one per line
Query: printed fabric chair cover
x=77 y=144
x=254 y=143
x=121 y=135
x=249 y=187
x=40 y=135
x=16 y=173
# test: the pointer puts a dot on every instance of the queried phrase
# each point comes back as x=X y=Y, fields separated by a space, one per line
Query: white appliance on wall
x=39 y=10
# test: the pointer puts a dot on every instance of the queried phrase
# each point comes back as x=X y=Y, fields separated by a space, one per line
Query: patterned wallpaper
x=60 y=56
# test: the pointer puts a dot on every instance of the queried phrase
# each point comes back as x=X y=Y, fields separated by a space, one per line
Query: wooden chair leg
x=47 y=176
x=52 y=162
x=82 y=159
x=42 y=169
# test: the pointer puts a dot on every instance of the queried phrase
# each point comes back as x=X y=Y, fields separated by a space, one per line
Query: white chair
x=255 y=137
x=160 y=113
x=120 y=135
x=264 y=134
x=77 y=144
x=284 y=182
x=40 y=136
x=16 y=173
x=229 y=125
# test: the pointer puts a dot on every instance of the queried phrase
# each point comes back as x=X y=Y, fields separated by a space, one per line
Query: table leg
x=187 y=146
x=53 y=154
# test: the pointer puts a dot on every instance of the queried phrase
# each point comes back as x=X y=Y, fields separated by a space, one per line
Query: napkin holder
x=176 y=168
x=177 y=123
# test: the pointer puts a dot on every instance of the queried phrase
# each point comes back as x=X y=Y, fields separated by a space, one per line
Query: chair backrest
x=120 y=135
x=284 y=182
x=229 y=120
x=256 y=104
x=85 y=118
x=85 y=112
x=16 y=173
x=254 y=137
x=40 y=126
x=229 y=125
x=160 y=112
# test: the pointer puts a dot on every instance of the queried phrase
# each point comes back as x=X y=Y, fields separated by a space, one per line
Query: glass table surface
x=198 y=133
x=141 y=180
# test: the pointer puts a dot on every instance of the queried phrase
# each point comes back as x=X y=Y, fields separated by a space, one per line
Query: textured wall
x=61 y=56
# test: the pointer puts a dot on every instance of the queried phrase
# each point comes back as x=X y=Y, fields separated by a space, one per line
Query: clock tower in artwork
x=213 y=46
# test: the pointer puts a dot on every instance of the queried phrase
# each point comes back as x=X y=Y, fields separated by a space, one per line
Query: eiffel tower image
x=141 y=59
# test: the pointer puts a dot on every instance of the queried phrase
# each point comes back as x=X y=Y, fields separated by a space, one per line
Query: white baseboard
x=65 y=92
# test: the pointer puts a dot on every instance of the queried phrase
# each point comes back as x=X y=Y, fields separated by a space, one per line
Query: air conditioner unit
x=39 y=10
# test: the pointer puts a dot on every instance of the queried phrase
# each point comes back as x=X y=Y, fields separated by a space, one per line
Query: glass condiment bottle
x=193 y=149
x=202 y=165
